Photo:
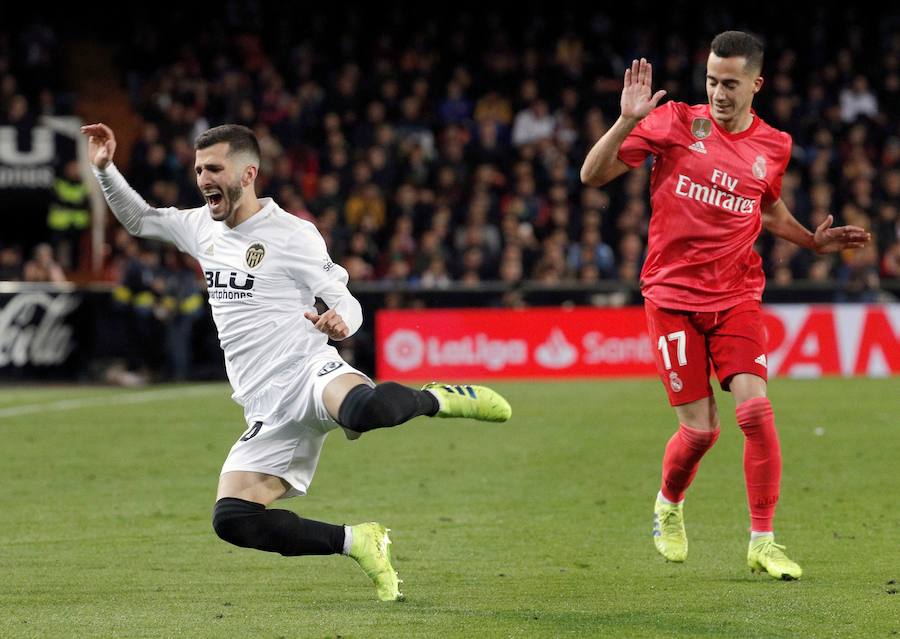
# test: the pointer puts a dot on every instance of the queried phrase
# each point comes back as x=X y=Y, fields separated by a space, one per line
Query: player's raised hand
x=830 y=240
x=329 y=323
x=637 y=99
x=101 y=144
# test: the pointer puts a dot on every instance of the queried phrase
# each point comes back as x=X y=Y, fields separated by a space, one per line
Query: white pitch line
x=109 y=400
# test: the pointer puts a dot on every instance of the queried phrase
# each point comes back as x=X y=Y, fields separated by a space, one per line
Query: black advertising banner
x=62 y=333
x=43 y=335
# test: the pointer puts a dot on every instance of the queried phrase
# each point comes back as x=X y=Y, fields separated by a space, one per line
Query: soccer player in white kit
x=264 y=268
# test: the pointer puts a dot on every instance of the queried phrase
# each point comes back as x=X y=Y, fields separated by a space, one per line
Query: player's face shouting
x=730 y=87
x=219 y=180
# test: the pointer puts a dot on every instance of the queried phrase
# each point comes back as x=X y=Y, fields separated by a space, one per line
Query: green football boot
x=371 y=550
x=669 y=536
x=474 y=402
x=764 y=555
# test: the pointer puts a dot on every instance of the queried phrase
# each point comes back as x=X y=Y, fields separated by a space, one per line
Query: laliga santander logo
x=404 y=350
x=556 y=352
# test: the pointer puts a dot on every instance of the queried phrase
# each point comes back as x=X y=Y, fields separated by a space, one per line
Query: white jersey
x=262 y=275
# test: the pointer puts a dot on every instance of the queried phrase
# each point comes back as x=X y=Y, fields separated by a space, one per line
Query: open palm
x=829 y=239
x=637 y=99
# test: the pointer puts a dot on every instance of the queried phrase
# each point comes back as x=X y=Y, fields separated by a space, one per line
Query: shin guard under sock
x=682 y=458
x=762 y=460
x=389 y=404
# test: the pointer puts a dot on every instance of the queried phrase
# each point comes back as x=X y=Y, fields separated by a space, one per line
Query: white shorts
x=287 y=423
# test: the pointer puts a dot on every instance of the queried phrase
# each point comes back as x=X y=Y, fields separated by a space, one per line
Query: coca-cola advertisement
x=804 y=341
x=39 y=333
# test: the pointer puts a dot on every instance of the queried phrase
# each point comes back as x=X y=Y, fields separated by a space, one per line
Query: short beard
x=234 y=196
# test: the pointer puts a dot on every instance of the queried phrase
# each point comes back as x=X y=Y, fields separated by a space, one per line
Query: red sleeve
x=649 y=136
x=774 y=191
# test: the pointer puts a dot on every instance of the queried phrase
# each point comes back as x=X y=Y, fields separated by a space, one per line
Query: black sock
x=366 y=408
x=251 y=525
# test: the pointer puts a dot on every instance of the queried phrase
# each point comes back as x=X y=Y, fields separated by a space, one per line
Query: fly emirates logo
x=719 y=194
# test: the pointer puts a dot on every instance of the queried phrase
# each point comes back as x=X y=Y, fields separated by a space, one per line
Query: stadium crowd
x=446 y=150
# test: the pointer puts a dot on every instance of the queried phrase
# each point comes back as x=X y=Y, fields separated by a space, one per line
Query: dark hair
x=732 y=44
x=239 y=138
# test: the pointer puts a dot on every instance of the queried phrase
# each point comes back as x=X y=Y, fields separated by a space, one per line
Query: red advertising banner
x=804 y=341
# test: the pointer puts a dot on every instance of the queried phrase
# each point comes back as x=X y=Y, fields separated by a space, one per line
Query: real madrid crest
x=255 y=254
x=759 y=167
x=701 y=128
x=675 y=382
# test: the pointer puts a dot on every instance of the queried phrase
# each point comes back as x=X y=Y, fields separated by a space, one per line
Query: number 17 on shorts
x=680 y=354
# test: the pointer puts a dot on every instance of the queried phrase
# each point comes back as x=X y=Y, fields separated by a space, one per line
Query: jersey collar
x=247 y=226
x=734 y=136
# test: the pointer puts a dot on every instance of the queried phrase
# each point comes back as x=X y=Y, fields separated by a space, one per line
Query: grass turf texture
x=537 y=527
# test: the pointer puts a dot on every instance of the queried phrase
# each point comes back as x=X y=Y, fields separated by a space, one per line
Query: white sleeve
x=312 y=268
x=141 y=219
x=337 y=296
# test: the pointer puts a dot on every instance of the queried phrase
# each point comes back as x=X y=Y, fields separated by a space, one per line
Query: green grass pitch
x=536 y=528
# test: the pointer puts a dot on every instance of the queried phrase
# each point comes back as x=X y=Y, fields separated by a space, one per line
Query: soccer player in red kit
x=715 y=183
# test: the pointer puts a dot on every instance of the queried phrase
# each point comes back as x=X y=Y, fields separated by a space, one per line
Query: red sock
x=762 y=461
x=682 y=458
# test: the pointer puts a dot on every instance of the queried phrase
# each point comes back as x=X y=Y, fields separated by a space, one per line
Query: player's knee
x=366 y=407
x=235 y=520
x=754 y=413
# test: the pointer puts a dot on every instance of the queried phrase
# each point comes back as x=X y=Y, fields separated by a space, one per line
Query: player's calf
x=251 y=525
x=762 y=461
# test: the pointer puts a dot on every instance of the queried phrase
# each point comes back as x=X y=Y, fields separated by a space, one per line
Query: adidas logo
x=209 y=251
x=698 y=146
x=761 y=360
x=459 y=390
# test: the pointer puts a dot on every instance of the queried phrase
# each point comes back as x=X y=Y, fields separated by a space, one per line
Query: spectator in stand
x=366 y=206
x=179 y=309
x=10 y=264
x=489 y=148
x=534 y=124
x=631 y=257
x=857 y=100
x=455 y=108
x=592 y=251
x=478 y=231
x=858 y=276
x=436 y=275
x=512 y=268
x=42 y=267
x=494 y=107
x=69 y=216
x=890 y=263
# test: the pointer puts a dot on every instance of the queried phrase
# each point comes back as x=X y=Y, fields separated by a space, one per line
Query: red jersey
x=707 y=190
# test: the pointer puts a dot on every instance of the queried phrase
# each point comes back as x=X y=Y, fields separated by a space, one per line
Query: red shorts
x=685 y=342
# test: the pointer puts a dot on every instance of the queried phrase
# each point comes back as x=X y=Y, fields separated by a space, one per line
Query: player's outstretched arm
x=778 y=220
x=138 y=217
x=602 y=163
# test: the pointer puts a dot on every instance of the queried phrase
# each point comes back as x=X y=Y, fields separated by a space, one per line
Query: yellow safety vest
x=69 y=211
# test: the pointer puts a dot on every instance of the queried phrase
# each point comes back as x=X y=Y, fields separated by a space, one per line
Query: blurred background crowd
x=438 y=151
